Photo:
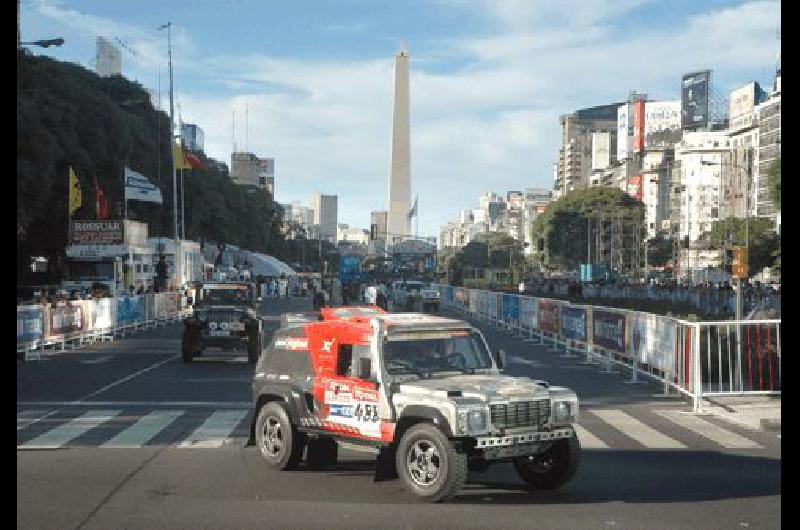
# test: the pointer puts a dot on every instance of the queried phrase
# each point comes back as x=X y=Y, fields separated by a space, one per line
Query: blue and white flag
x=139 y=188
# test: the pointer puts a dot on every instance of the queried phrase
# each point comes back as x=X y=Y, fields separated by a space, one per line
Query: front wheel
x=277 y=439
x=429 y=465
x=552 y=468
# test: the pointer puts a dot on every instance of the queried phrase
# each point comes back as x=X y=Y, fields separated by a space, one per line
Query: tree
x=763 y=241
x=564 y=226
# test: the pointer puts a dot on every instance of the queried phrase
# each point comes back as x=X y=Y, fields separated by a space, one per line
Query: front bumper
x=521 y=444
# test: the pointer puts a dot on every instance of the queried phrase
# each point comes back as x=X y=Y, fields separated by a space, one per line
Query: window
x=138 y=267
x=344 y=361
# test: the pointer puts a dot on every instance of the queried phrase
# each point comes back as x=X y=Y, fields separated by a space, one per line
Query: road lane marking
x=587 y=439
x=119 y=382
x=37 y=415
x=143 y=430
x=63 y=434
x=633 y=428
x=708 y=430
x=215 y=431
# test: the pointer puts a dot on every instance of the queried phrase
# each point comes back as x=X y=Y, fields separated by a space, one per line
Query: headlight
x=472 y=421
x=565 y=412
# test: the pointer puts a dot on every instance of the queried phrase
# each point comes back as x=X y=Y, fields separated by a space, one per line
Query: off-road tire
x=452 y=465
x=189 y=344
x=564 y=455
x=321 y=452
x=293 y=442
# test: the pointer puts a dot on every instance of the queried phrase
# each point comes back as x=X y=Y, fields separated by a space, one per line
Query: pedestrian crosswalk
x=135 y=427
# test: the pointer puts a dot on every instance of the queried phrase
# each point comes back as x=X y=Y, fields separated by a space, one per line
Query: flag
x=413 y=211
x=180 y=159
x=192 y=159
x=101 y=201
x=75 y=196
x=139 y=188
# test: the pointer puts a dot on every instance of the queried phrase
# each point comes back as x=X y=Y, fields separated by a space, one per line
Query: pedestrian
x=371 y=294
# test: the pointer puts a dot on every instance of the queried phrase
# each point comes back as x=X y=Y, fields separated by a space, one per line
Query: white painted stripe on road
x=708 y=430
x=62 y=435
x=633 y=428
x=587 y=439
x=228 y=404
x=29 y=417
x=143 y=430
x=119 y=382
x=215 y=431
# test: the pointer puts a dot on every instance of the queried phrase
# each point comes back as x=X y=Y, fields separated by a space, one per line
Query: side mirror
x=501 y=359
x=364 y=368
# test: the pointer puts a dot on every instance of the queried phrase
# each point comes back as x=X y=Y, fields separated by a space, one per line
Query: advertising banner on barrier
x=573 y=323
x=130 y=309
x=608 y=330
x=160 y=310
x=491 y=305
x=482 y=303
x=549 y=316
x=653 y=340
x=171 y=304
x=511 y=308
x=473 y=301
x=66 y=319
x=499 y=307
x=30 y=323
x=100 y=314
x=461 y=297
x=528 y=312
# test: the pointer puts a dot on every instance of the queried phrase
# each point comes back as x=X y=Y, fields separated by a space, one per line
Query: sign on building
x=694 y=99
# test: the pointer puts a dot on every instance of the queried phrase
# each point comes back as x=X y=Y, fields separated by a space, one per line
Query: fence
x=68 y=325
x=711 y=301
x=697 y=359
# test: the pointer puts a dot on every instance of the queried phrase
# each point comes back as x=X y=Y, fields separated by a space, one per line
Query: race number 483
x=366 y=412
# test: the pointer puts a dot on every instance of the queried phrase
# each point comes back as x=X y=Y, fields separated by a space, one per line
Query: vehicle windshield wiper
x=410 y=368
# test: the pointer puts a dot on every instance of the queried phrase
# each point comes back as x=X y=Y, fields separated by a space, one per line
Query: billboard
x=638 y=126
x=96 y=232
x=573 y=323
x=601 y=150
x=624 y=131
x=549 y=316
x=662 y=124
x=742 y=103
x=694 y=99
x=634 y=188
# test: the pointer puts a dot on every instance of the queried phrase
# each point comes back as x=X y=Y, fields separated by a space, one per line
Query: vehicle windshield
x=426 y=353
x=414 y=286
x=237 y=294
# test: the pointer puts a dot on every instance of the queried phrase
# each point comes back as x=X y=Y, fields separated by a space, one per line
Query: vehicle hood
x=491 y=387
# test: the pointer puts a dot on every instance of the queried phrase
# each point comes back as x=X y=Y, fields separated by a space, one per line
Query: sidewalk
x=758 y=413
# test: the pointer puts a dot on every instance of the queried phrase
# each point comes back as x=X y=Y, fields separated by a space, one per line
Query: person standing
x=371 y=294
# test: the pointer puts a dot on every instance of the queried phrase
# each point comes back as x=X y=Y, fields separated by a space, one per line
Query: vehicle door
x=348 y=388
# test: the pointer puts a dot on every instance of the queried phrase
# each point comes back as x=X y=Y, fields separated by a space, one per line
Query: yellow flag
x=75 y=195
x=180 y=159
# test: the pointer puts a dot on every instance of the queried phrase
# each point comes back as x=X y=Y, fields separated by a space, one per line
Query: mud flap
x=385 y=465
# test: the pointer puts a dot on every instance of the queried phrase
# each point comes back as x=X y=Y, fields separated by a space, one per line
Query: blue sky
x=489 y=79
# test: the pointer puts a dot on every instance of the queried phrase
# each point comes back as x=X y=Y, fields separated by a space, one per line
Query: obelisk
x=398 y=224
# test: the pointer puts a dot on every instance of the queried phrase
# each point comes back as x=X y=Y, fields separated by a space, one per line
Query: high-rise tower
x=398 y=224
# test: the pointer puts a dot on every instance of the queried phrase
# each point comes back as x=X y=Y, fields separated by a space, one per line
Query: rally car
x=424 y=390
x=224 y=316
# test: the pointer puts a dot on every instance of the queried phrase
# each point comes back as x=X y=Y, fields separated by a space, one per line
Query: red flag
x=192 y=159
x=101 y=201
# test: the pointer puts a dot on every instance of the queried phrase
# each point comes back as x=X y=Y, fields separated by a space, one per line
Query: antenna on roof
x=233 y=131
x=246 y=123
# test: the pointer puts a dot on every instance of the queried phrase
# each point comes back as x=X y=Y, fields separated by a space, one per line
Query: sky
x=489 y=79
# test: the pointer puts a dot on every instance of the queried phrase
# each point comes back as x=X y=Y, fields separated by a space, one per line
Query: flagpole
x=177 y=263
x=183 y=192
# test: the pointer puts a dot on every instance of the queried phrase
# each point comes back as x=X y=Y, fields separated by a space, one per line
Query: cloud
x=484 y=108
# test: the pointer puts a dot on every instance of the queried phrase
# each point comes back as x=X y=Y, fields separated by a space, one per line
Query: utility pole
x=178 y=264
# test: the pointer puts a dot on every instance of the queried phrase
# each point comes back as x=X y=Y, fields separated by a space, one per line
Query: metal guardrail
x=696 y=359
x=69 y=325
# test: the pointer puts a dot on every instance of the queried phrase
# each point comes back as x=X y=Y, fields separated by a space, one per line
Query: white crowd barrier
x=68 y=325
x=696 y=359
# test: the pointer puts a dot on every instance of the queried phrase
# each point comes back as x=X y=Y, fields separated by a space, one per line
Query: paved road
x=124 y=434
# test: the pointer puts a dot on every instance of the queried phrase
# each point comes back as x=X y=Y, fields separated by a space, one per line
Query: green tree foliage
x=763 y=241
x=774 y=183
x=69 y=116
x=564 y=227
x=659 y=251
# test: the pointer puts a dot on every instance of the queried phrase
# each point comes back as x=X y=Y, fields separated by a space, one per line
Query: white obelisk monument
x=398 y=223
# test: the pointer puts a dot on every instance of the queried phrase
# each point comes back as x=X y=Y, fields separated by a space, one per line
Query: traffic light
x=727 y=262
x=739 y=265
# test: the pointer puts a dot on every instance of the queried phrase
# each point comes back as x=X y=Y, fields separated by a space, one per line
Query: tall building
x=265 y=170
x=769 y=148
x=325 y=215
x=743 y=129
x=575 y=155
x=249 y=170
x=398 y=224
x=377 y=220
x=108 y=59
x=193 y=137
